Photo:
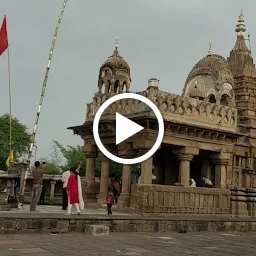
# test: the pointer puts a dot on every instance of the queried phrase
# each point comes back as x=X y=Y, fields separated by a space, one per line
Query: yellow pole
x=10 y=100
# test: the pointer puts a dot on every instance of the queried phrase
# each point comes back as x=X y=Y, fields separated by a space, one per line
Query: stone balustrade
x=172 y=107
x=179 y=200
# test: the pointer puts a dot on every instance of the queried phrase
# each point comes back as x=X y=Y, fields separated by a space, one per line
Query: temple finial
x=240 y=27
x=116 y=43
x=210 y=51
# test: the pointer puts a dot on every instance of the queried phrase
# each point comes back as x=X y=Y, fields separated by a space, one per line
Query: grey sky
x=162 y=39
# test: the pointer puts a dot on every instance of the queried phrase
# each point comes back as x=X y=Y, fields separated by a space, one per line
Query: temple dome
x=214 y=65
x=211 y=80
x=114 y=74
x=116 y=62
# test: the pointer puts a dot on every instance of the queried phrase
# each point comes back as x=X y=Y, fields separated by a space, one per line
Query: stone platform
x=52 y=219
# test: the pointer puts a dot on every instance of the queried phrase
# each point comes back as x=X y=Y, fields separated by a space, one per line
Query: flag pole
x=10 y=102
x=10 y=99
x=24 y=174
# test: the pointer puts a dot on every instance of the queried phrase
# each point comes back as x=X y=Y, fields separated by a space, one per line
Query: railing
x=179 y=200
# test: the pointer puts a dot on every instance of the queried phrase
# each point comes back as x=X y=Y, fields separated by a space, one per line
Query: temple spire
x=240 y=27
x=210 y=51
x=116 y=43
x=116 y=53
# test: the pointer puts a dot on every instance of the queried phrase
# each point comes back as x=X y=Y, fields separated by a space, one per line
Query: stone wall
x=141 y=224
x=180 y=200
x=243 y=201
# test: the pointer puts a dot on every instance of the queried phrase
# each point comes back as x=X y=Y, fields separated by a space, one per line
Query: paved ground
x=51 y=209
x=140 y=244
x=91 y=212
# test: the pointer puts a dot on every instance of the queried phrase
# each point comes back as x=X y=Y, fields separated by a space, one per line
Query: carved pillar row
x=221 y=161
x=103 y=179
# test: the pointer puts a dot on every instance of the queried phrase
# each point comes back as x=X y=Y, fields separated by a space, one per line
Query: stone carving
x=173 y=108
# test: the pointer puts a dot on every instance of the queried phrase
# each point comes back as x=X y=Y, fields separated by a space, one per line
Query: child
x=110 y=201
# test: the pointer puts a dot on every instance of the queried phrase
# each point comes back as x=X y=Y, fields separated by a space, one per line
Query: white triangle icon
x=125 y=128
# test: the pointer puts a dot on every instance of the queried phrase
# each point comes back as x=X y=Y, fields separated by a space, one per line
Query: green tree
x=20 y=139
x=72 y=155
x=64 y=157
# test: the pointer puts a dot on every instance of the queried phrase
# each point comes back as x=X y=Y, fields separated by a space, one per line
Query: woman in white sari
x=80 y=191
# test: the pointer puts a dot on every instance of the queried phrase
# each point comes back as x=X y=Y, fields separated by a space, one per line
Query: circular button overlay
x=160 y=128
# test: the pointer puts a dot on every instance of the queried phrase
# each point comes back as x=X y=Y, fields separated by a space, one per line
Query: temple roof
x=215 y=66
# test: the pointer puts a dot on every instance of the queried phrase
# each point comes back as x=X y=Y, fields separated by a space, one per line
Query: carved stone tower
x=114 y=74
x=244 y=73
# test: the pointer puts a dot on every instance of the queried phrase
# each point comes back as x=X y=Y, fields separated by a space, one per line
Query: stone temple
x=210 y=131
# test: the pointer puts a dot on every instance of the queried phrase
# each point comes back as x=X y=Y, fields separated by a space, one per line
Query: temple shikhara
x=210 y=131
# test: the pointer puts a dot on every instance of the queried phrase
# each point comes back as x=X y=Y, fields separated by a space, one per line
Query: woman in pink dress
x=73 y=189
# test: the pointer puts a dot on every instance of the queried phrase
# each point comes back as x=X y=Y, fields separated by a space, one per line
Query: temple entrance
x=166 y=166
x=202 y=166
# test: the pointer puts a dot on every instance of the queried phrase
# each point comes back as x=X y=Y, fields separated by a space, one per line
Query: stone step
x=5 y=207
x=97 y=230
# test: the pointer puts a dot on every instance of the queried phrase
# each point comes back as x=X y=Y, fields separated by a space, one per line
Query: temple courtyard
x=140 y=244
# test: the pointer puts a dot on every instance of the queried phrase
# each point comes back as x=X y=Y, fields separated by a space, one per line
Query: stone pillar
x=126 y=178
x=126 y=150
x=90 y=170
x=8 y=187
x=103 y=180
x=91 y=189
x=124 y=199
x=146 y=171
x=185 y=155
x=221 y=161
x=53 y=183
x=184 y=168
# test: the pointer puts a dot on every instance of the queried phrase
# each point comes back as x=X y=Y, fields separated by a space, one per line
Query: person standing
x=42 y=197
x=37 y=173
x=110 y=201
x=73 y=190
x=65 y=177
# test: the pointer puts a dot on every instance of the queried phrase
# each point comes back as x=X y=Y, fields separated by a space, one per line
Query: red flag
x=3 y=37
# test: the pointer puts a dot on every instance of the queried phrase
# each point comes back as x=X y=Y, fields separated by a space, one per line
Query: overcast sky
x=162 y=39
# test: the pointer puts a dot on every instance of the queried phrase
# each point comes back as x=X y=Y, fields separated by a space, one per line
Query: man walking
x=65 y=177
x=38 y=173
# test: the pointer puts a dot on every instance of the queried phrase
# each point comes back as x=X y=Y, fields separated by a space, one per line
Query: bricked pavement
x=140 y=244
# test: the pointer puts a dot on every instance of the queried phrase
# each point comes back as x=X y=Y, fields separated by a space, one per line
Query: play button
x=125 y=128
